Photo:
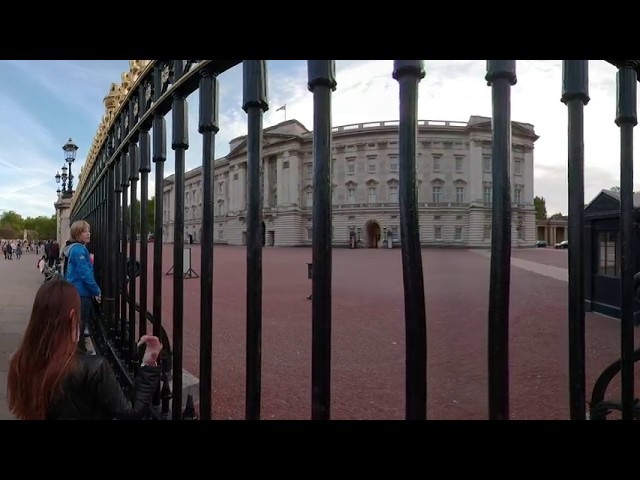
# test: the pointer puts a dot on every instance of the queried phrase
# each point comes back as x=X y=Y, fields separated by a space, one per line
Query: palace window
x=393 y=194
x=486 y=163
x=437 y=193
x=372 y=195
x=608 y=254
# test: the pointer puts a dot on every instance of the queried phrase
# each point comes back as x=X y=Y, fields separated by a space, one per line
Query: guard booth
x=603 y=254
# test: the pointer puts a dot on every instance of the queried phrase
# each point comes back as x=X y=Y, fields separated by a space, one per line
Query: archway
x=372 y=234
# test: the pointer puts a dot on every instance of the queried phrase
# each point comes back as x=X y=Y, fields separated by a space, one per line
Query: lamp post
x=63 y=204
x=70 y=150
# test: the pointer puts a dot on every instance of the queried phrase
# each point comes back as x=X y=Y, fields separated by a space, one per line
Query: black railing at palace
x=128 y=155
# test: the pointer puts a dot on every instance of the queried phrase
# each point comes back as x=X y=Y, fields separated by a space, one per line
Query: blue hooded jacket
x=79 y=270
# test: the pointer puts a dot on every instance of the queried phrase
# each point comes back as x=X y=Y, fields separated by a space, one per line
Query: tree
x=151 y=210
x=541 y=208
x=12 y=219
x=12 y=225
x=45 y=227
x=7 y=232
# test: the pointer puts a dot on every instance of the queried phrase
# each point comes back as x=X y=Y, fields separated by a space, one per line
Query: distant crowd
x=49 y=248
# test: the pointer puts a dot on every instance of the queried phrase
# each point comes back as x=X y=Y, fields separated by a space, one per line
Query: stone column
x=265 y=182
x=63 y=215
x=294 y=177
x=242 y=187
x=475 y=188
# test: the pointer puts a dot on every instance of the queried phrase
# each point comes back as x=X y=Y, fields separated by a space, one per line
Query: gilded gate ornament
x=117 y=96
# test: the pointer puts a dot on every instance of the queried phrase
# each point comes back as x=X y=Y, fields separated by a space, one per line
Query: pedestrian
x=48 y=379
x=78 y=269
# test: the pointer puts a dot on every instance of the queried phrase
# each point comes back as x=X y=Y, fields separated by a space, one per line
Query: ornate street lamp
x=70 y=150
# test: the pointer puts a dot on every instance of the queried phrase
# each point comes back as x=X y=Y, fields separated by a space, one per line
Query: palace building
x=454 y=182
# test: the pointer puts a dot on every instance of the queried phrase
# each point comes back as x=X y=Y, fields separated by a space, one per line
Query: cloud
x=81 y=84
x=25 y=160
x=451 y=90
x=366 y=92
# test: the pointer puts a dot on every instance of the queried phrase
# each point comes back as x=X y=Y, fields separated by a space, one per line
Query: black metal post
x=145 y=169
x=116 y=246
x=179 y=143
x=124 y=329
x=408 y=73
x=627 y=119
x=575 y=94
x=208 y=128
x=159 y=157
x=254 y=104
x=109 y=249
x=501 y=75
x=322 y=81
x=133 y=178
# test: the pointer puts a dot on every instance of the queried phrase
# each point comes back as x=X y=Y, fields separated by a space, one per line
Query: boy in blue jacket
x=79 y=271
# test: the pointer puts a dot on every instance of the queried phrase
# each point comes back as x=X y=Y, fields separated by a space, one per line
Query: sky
x=44 y=103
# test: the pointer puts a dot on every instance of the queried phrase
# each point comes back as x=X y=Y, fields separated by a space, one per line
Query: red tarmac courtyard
x=368 y=352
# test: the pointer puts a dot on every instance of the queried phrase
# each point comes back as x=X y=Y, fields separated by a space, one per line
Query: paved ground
x=546 y=256
x=368 y=333
x=20 y=281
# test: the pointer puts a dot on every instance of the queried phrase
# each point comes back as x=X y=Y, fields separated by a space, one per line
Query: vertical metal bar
x=179 y=143
x=627 y=119
x=133 y=178
x=117 y=243
x=107 y=192
x=145 y=169
x=159 y=157
x=409 y=73
x=322 y=81
x=208 y=128
x=124 y=331
x=254 y=104
x=110 y=259
x=575 y=94
x=501 y=75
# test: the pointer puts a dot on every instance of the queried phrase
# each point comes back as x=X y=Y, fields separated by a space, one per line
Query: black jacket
x=93 y=393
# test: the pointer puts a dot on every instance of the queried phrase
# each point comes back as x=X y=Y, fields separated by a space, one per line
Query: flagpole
x=283 y=107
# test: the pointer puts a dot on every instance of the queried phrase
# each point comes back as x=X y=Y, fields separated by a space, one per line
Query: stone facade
x=63 y=219
x=453 y=176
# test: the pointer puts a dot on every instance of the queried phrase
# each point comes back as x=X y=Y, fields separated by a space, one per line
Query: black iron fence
x=125 y=159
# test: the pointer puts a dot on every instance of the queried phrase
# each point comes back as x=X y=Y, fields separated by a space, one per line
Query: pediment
x=516 y=129
x=351 y=183
x=437 y=181
x=459 y=181
x=267 y=139
x=393 y=181
x=603 y=202
x=371 y=182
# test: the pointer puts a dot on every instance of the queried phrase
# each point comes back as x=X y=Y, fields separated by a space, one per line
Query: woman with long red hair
x=49 y=379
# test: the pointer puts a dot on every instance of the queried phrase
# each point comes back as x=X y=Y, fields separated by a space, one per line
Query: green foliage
x=541 y=208
x=150 y=214
x=12 y=226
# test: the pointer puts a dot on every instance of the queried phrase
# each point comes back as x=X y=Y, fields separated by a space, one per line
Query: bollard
x=309 y=276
